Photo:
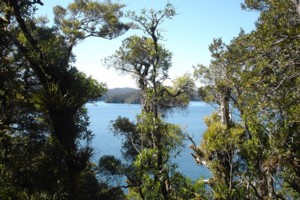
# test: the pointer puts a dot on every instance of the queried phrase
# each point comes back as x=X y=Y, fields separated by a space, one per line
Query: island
x=131 y=96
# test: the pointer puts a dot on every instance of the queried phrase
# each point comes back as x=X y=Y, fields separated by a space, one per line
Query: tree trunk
x=224 y=107
x=162 y=181
x=226 y=157
x=271 y=192
x=73 y=184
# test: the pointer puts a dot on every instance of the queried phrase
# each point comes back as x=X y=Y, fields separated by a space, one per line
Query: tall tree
x=263 y=78
x=277 y=87
x=148 y=62
x=218 y=150
x=61 y=91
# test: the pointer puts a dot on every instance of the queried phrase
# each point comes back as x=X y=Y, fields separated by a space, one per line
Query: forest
x=251 y=145
x=122 y=95
x=132 y=96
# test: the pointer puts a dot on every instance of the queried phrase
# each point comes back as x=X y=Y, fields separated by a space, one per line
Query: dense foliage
x=132 y=96
x=151 y=143
x=122 y=95
x=251 y=146
x=45 y=140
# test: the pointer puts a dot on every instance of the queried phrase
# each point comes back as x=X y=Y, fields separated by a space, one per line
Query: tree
x=263 y=79
x=60 y=91
x=221 y=140
x=153 y=141
x=276 y=61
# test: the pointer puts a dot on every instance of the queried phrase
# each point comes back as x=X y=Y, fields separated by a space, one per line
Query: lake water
x=191 y=120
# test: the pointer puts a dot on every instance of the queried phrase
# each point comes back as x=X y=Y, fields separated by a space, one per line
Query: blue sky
x=187 y=35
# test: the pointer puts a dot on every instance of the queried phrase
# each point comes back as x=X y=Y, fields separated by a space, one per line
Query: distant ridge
x=122 y=95
x=130 y=96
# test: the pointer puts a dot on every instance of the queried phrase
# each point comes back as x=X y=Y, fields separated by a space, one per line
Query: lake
x=191 y=120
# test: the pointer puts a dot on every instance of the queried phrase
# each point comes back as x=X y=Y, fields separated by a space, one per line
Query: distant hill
x=122 y=95
x=130 y=96
x=117 y=91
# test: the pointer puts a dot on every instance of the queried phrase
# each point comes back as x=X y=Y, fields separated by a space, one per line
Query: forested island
x=251 y=145
x=131 y=96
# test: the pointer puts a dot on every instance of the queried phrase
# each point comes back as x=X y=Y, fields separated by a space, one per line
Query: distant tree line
x=132 y=96
x=129 y=98
x=122 y=95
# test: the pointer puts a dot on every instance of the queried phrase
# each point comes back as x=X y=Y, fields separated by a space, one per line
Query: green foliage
x=151 y=143
x=44 y=124
x=129 y=98
x=257 y=75
x=85 y=18
x=136 y=55
x=219 y=148
x=110 y=166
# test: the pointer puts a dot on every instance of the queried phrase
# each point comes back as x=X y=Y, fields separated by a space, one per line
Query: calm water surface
x=191 y=120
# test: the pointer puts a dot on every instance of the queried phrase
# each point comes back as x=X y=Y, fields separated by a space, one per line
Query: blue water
x=191 y=120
